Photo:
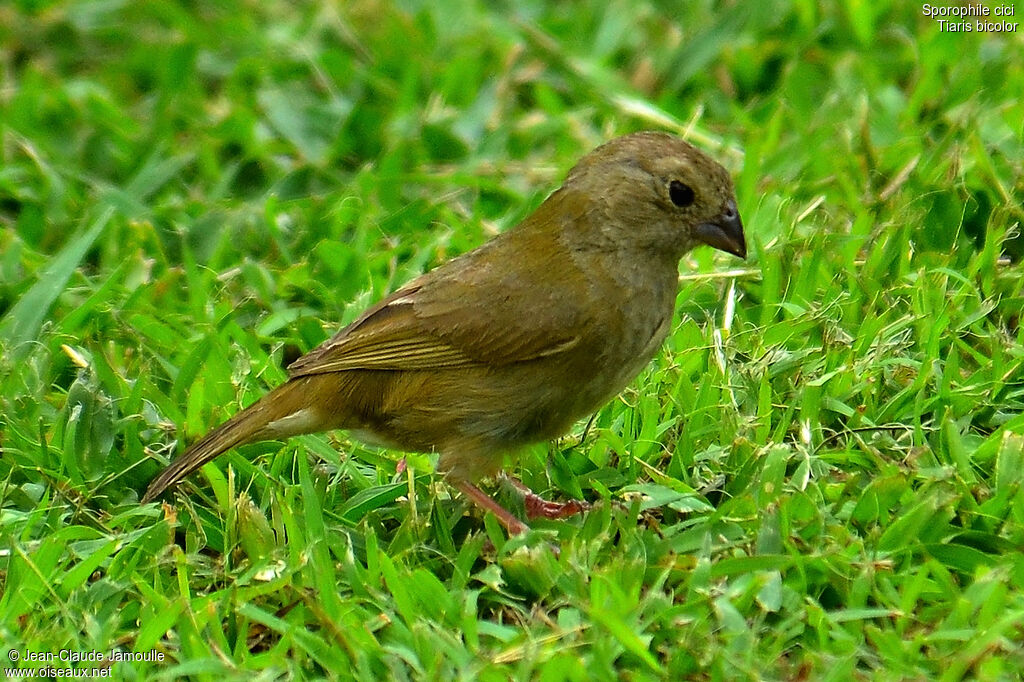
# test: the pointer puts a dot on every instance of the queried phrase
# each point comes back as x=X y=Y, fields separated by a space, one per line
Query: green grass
x=820 y=477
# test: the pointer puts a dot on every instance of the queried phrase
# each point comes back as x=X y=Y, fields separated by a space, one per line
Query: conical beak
x=725 y=233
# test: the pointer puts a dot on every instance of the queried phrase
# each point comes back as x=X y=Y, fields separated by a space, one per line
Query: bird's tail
x=275 y=415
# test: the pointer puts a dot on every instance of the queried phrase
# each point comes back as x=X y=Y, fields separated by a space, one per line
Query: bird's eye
x=681 y=194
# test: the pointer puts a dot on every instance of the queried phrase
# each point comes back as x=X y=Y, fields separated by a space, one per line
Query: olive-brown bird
x=514 y=341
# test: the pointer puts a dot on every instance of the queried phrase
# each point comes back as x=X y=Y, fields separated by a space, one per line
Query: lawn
x=820 y=477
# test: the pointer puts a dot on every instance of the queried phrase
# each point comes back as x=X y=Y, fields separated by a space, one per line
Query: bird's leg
x=538 y=507
x=513 y=525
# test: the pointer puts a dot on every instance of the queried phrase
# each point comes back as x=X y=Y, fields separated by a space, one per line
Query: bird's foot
x=513 y=525
x=537 y=507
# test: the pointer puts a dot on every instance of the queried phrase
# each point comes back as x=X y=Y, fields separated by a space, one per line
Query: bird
x=511 y=343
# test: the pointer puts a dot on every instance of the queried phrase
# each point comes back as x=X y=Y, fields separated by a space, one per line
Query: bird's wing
x=474 y=311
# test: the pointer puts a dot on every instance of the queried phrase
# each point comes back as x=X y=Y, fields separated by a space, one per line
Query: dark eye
x=681 y=194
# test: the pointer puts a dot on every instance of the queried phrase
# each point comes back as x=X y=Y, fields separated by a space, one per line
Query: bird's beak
x=725 y=233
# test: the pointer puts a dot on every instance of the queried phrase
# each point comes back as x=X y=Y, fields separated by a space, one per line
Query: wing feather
x=476 y=310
